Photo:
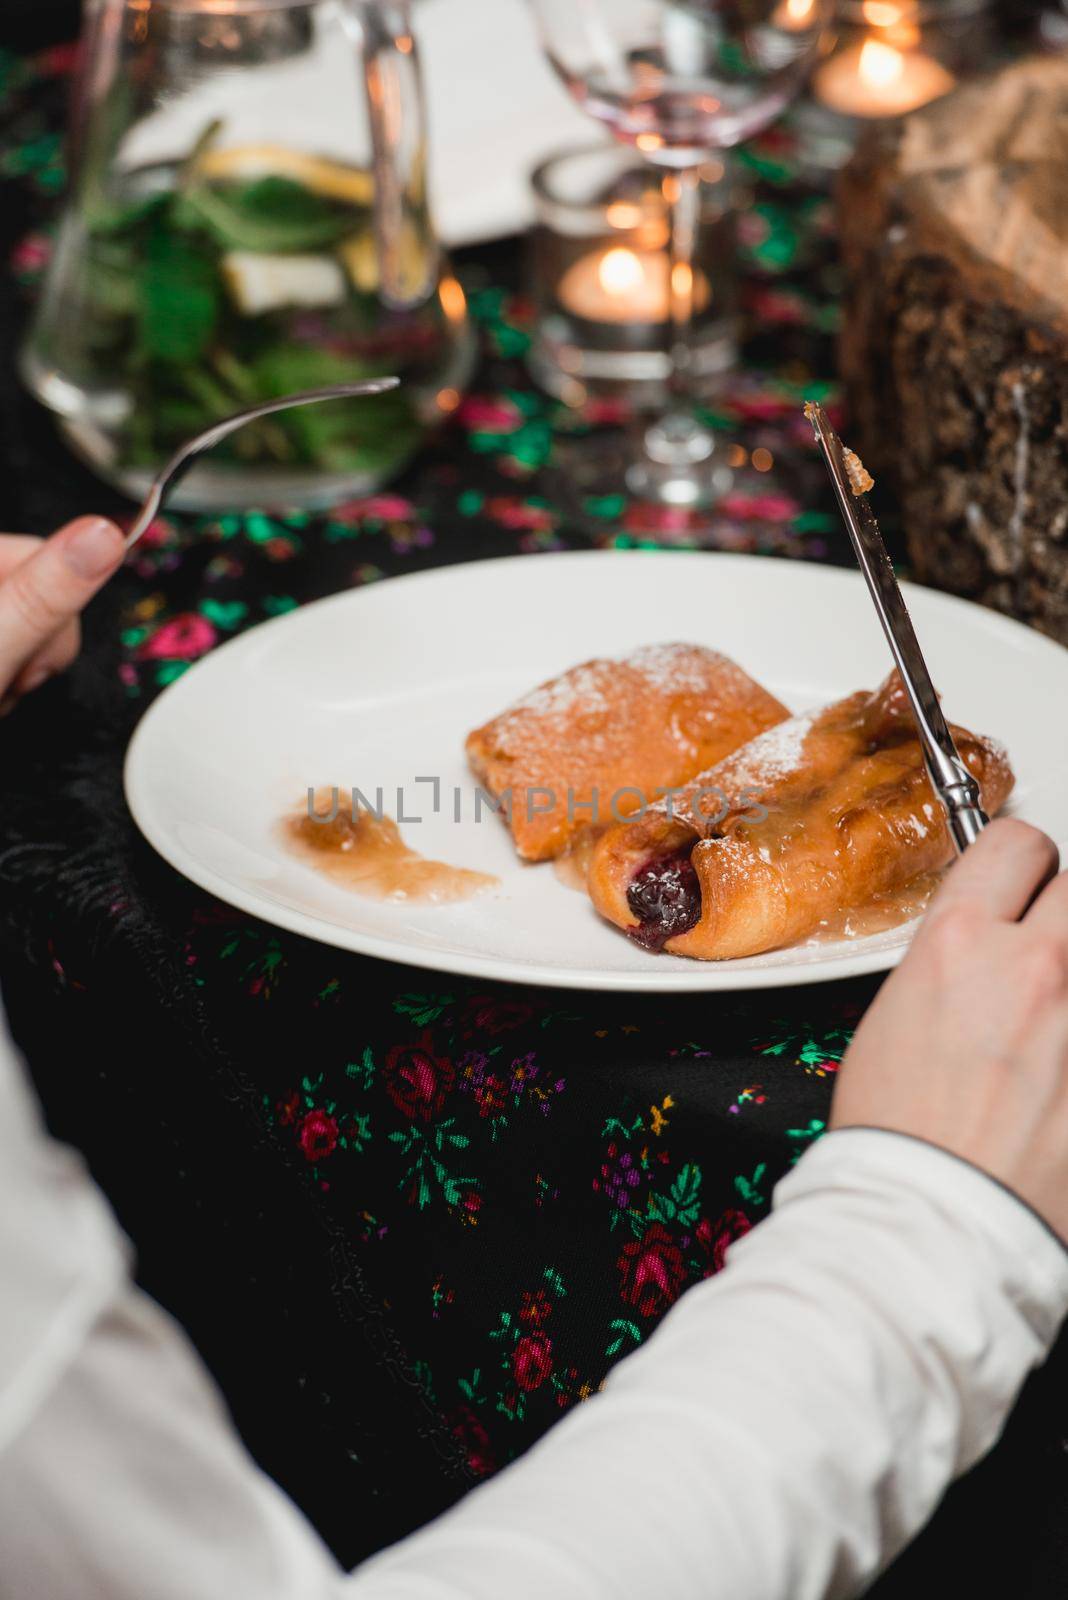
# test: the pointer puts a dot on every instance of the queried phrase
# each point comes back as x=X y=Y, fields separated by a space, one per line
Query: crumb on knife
x=860 y=479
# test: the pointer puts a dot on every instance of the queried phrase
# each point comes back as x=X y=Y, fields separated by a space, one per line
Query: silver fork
x=183 y=458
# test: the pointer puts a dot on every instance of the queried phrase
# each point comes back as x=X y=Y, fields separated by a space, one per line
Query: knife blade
x=952 y=782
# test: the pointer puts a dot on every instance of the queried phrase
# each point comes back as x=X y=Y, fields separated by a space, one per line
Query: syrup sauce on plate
x=365 y=852
x=572 y=868
x=880 y=913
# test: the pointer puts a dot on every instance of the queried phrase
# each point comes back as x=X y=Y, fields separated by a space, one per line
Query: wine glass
x=678 y=79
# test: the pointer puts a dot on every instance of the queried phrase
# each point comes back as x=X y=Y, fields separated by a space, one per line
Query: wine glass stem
x=682 y=192
x=676 y=440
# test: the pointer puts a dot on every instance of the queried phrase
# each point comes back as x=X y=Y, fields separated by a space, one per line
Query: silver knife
x=950 y=778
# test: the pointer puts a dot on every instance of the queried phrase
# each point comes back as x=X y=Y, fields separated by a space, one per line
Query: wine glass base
x=698 y=487
x=610 y=486
x=679 y=464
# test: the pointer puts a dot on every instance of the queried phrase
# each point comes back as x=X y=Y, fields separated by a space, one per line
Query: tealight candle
x=623 y=285
x=794 y=16
x=873 y=78
x=603 y=284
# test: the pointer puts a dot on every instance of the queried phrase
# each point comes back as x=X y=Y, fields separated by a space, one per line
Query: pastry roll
x=601 y=741
x=825 y=814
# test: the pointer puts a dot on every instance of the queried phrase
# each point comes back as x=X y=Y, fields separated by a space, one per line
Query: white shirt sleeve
x=791 y=1424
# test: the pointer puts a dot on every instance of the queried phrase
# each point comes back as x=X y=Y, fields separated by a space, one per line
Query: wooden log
x=954 y=350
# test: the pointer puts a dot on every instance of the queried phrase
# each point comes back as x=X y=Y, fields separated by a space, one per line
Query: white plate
x=378 y=687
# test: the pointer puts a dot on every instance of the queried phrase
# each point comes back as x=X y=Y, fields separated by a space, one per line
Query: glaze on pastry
x=614 y=734
x=851 y=817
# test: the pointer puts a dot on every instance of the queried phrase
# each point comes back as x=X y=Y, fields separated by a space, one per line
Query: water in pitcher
x=204 y=265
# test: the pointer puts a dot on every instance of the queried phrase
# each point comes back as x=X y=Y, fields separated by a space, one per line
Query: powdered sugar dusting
x=773 y=755
x=592 y=689
x=644 y=723
x=583 y=687
x=683 y=668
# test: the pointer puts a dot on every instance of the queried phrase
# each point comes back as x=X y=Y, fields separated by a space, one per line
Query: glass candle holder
x=597 y=274
x=889 y=57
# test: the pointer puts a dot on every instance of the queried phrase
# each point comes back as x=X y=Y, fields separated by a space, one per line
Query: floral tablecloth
x=410 y=1220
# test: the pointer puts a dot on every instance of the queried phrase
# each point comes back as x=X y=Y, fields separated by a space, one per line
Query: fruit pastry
x=825 y=815
x=605 y=738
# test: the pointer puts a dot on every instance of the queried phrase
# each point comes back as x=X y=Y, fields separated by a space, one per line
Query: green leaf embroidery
x=359 y=1132
x=504 y=1328
x=514 y=1407
x=363 y=1071
x=686 y=1194
x=224 y=613
x=801 y=1138
x=749 y=1188
x=424 y=1377
x=426 y=1172
x=468 y=1387
x=625 y=1331
x=778 y=1049
x=612 y=1125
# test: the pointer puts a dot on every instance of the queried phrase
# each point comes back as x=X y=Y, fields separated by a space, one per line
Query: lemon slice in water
x=331 y=179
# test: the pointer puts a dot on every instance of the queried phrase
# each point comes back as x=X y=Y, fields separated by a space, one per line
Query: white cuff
x=1030 y=1261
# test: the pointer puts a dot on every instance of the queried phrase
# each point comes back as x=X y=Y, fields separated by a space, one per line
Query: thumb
x=52 y=586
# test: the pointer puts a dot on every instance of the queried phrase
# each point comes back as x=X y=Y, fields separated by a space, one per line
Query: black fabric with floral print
x=411 y=1220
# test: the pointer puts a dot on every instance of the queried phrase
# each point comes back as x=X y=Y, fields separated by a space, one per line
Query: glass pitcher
x=248 y=216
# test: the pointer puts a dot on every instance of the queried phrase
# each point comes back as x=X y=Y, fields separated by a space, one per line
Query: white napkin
x=495 y=109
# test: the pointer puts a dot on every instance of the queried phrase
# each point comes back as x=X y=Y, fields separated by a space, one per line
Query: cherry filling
x=666 y=899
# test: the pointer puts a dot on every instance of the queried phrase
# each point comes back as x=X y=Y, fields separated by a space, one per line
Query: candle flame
x=621 y=214
x=880 y=65
x=681 y=280
x=452 y=297
x=620 y=271
x=883 y=13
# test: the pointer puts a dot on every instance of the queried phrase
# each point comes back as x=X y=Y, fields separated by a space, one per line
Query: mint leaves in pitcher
x=236 y=276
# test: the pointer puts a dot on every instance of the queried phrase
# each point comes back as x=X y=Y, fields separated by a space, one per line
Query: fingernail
x=93 y=547
x=35 y=679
